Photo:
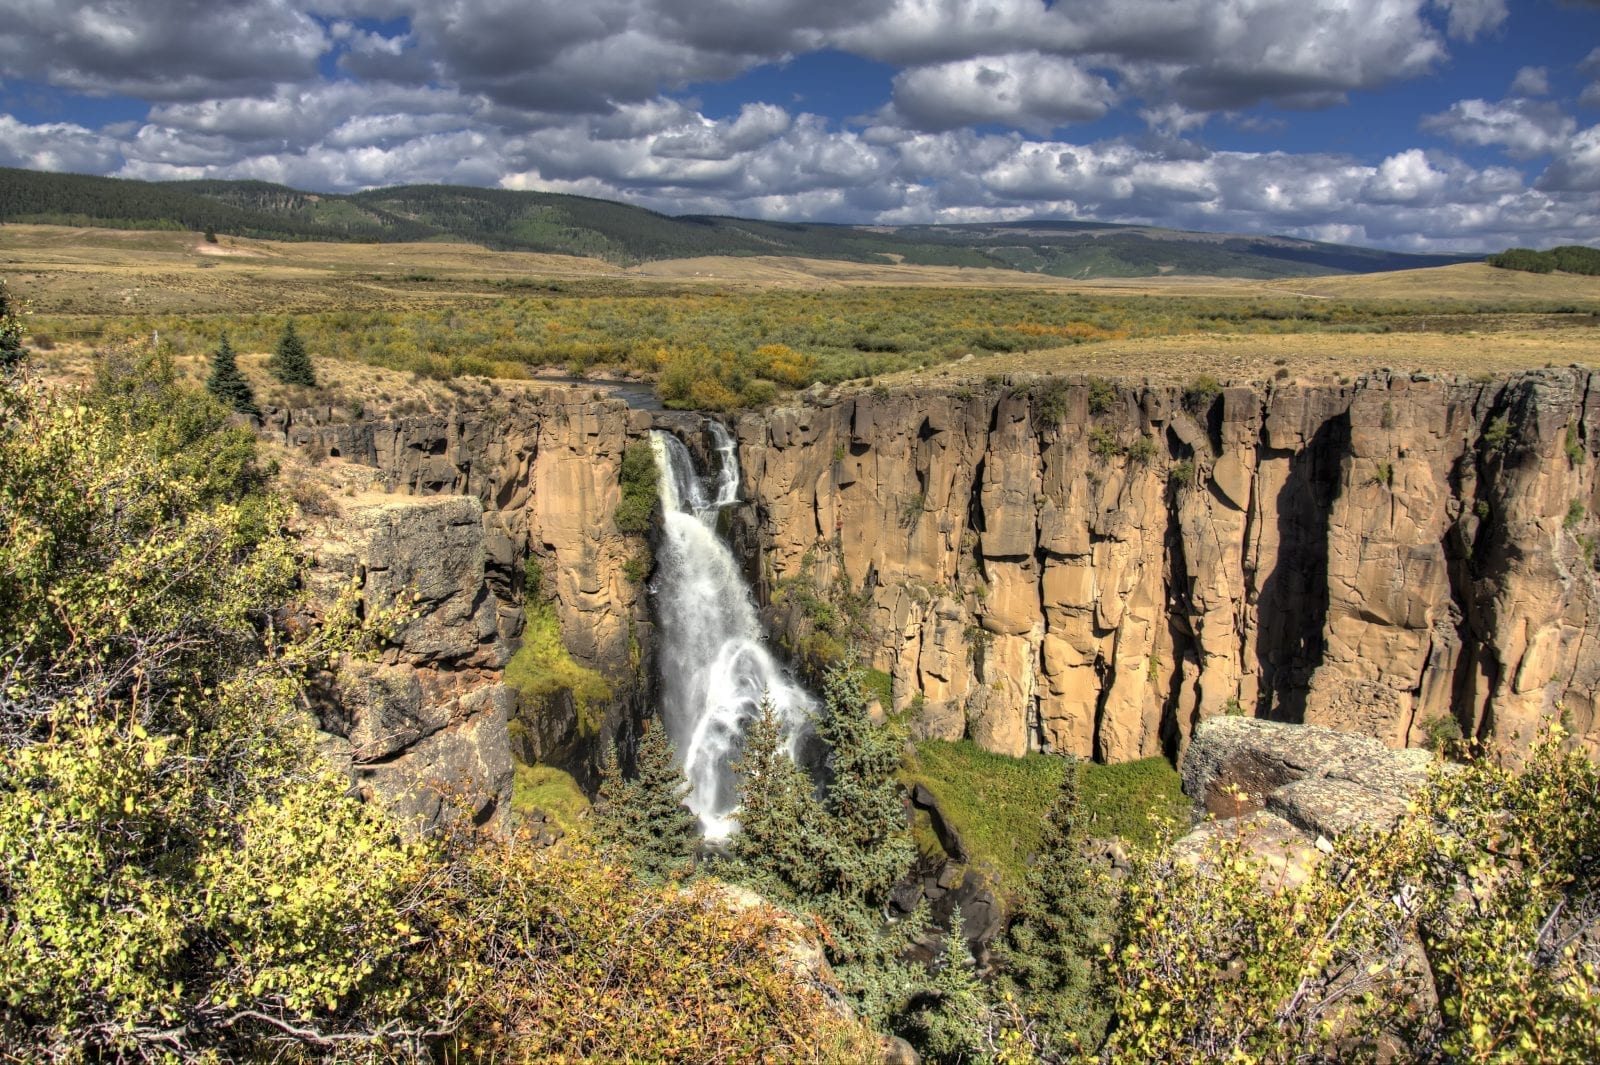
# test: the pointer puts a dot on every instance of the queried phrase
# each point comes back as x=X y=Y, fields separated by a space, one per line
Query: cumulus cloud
x=1030 y=91
x=591 y=98
x=1524 y=128
x=174 y=50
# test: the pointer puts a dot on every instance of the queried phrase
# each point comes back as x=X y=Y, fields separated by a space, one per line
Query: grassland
x=722 y=333
x=998 y=804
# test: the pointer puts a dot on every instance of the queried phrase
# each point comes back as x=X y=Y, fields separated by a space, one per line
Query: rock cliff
x=1072 y=566
x=474 y=512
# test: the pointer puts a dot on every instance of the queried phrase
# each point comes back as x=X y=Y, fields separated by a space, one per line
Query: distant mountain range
x=577 y=225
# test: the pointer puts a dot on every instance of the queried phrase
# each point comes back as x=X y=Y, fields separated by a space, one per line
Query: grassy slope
x=615 y=232
x=998 y=804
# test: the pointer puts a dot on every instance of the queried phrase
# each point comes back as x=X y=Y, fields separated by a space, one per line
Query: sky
x=1415 y=125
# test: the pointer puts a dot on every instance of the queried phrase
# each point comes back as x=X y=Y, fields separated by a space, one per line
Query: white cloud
x=1468 y=19
x=55 y=146
x=1577 y=168
x=1531 y=81
x=1524 y=128
x=173 y=50
x=1029 y=91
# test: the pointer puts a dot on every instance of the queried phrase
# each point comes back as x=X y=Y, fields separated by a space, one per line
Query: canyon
x=1054 y=564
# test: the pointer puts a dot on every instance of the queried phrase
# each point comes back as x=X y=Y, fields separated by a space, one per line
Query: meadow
x=724 y=333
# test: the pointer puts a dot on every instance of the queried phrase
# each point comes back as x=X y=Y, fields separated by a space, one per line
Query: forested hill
x=577 y=225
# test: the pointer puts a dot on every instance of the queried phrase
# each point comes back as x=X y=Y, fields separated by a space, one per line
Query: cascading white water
x=714 y=669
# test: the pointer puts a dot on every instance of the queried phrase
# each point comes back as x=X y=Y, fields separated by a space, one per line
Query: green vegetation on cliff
x=183 y=879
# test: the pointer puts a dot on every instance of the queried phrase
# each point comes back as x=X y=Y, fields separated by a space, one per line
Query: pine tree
x=643 y=821
x=227 y=383
x=1050 y=955
x=781 y=843
x=290 y=363
x=11 y=350
x=612 y=818
x=669 y=831
x=866 y=814
x=949 y=1018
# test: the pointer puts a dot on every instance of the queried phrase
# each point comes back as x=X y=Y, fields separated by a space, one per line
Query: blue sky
x=1459 y=125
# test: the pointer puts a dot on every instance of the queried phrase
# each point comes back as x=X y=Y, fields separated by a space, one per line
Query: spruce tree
x=11 y=350
x=866 y=814
x=290 y=363
x=669 y=832
x=227 y=383
x=1050 y=956
x=781 y=842
x=949 y=1019
x=643 y=821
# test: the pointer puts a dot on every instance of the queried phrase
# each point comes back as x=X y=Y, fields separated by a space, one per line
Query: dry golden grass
x=68 y=272
x=1297 y=356
x=65 y=270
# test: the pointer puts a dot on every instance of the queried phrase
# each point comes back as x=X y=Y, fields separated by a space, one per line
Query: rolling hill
x=575 y=225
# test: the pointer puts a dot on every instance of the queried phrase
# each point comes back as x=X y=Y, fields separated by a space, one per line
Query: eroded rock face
x=423 y=729
x=1289 y=791
x=1373 y=557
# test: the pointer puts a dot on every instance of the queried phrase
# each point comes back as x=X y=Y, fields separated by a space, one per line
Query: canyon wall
x=1055 y=566
x=1063 y=565
x=540 y=475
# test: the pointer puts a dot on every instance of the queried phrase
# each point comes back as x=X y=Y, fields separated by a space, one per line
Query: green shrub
x=1497 y=434
x=1142 y=450
x=639 y=489
x=1201 y=393
x=1102 y=394
x=1103 y=443
x=1576 y=512
x=1182 y=474
x=543 y=667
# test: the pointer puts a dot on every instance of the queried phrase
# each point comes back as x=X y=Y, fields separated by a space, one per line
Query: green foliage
x=1182 y=474
x=1441 y=734
x=1050 y=400
x=1201 y=393
x=1572 y=445
x=1102 y=394
x=639 y=489
x=840 y=855
x=227 y=383
x=1383 y=474
x=1493 y=872
x=290 y=362
x=11 y=350
x=1142 y=450
x=642 y=820
x=550 y=791
x=1498 y=434
x=1103 y=443
x=949 y=1019
x=1051 y=958
x=1569 y=258
x=543 y=668
x=1577 y=510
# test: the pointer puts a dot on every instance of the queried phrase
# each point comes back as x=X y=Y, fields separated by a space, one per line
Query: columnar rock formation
x=1095 y=571
x=1059 y=566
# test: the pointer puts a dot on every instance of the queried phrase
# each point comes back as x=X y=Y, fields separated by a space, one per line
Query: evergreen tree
x=1050 y=958
x=838 y=857
x=781 y=842
x=643 y=821
x=948 y=1020
x=227 y=383
x=11 y=350
x=669 y=832
x=866 y=815
x=290 y=363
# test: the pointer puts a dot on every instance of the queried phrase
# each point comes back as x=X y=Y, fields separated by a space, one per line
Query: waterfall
x=714 y=668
